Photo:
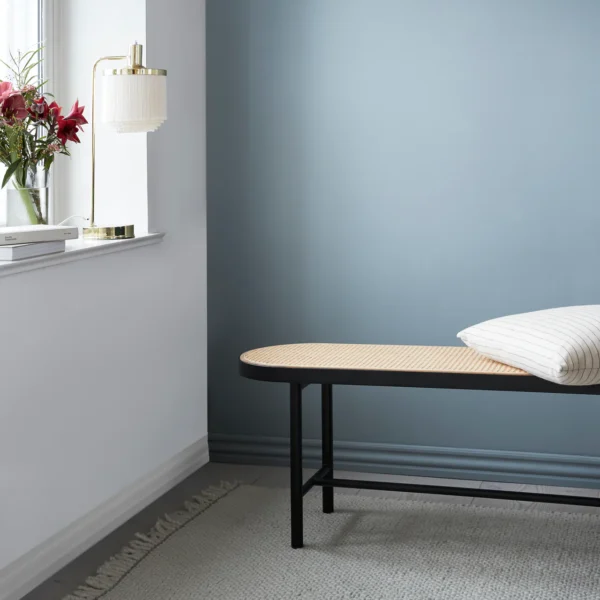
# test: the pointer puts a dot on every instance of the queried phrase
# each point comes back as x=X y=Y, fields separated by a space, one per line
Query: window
x=21 y=28
x=121 y=160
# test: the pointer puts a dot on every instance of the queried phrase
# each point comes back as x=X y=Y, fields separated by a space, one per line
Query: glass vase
x=28 y=204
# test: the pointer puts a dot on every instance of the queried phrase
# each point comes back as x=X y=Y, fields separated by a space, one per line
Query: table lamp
x=134 y=101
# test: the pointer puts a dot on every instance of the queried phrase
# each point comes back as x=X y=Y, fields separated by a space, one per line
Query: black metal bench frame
x=299 y=378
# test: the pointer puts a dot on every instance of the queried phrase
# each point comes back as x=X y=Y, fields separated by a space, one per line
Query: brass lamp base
x=113 y=232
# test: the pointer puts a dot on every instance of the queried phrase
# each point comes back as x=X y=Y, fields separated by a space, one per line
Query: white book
x=21 y=251
x=29 y=234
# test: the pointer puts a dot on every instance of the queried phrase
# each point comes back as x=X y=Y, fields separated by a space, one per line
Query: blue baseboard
x=424 y=461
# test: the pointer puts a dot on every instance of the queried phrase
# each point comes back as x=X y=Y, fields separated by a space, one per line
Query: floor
x=66 y=580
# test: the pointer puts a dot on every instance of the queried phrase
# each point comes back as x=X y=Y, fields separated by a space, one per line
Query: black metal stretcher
x=442 y=367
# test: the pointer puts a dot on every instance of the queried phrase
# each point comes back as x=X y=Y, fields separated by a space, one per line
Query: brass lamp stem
x=93 y=216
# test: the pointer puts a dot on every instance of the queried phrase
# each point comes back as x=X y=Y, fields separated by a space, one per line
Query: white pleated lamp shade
x=134 y=103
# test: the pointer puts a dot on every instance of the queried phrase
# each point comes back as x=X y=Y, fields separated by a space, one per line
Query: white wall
x=103 y=361
x=83 y=32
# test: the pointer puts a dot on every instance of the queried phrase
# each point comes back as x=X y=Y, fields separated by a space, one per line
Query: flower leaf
x=35 y=52
x=9 y=172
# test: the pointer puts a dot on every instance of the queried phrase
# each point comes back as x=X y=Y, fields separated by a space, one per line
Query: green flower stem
x=28 y=203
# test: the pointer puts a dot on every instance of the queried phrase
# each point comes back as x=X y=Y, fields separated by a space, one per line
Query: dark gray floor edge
x=425 y=461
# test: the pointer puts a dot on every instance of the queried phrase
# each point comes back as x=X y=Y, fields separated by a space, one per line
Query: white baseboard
x=27 y=572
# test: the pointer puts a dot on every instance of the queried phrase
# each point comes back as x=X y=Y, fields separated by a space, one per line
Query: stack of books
x=17 y=243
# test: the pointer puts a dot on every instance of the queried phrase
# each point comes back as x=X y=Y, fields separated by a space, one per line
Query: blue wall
x=391 y=171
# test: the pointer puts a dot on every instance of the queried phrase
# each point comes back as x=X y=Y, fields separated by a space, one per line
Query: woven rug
x=233 y=543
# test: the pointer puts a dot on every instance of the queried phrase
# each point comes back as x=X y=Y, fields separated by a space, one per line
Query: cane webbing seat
x=373 y=357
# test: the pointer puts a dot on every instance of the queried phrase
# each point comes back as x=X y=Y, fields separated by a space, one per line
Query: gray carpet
x=234 y=545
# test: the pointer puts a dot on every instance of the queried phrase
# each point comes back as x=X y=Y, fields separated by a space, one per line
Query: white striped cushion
x=559 y=344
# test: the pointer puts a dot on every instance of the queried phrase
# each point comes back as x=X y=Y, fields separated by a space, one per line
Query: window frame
x=44 y=37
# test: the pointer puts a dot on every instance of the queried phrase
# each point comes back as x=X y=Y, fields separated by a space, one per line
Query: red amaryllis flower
x=39 y=109
x=13 y=107
x=67 y=130
x=54 y=109
x=76 y=114
x=5 y=89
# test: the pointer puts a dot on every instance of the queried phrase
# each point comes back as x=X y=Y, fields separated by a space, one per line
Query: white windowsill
x=78 y=250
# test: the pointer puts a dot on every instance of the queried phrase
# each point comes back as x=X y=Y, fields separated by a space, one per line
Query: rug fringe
x=112 y=571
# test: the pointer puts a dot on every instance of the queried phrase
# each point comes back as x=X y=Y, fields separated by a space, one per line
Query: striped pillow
x=560 y=344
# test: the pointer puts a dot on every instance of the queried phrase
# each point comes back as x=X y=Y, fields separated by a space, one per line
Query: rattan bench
x=446 y=367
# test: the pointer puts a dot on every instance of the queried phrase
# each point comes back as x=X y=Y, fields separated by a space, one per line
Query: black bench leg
x=327 y=443
x=296 y=464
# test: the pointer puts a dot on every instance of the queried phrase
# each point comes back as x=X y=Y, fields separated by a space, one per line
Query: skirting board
x=424 y=461
x=27 y=572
